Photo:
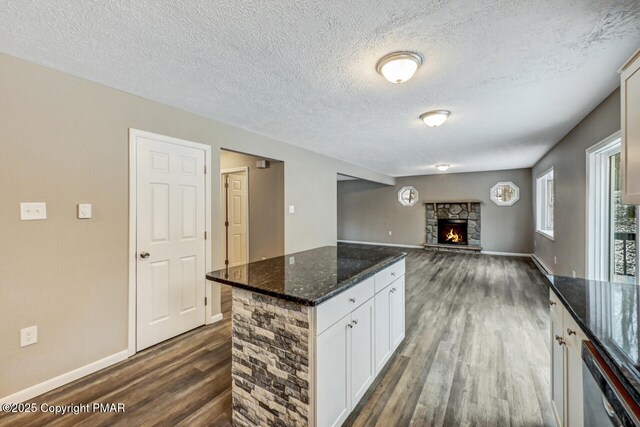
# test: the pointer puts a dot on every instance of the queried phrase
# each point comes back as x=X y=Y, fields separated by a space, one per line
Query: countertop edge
x=365 y=274
x=609 y=359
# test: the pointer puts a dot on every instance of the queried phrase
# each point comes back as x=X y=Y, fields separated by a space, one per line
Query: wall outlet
x=28 y=336
x=292 y=260
x=84 y=210
x=33 y=211
x=292 y=209
x=390 y=233
x=555 y=260
x=573 y=272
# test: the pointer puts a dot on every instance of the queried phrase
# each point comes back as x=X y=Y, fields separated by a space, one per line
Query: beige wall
x=266 y=204
x=368 y=211
x=63 y=141
x=568 y=158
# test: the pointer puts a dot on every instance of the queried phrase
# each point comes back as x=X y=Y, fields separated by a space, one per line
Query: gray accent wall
x=266 y=204
x=569 y=158
x=367 y=211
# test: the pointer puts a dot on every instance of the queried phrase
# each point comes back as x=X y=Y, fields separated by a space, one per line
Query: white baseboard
x=215 y=318
x=395 y=245
x=541 y=265
x=66 y=378
x=518 y=254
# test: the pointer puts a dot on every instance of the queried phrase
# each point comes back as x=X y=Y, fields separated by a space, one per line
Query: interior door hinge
x=205 y=235
x=205 y=169
x=226 y=262
x=205 y=300
x=226 y=185
x=226 y=223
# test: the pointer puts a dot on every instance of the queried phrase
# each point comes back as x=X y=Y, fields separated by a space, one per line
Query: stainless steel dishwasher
x=606 y=403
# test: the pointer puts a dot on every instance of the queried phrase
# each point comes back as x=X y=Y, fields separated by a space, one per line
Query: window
x=612 y=226
x=544 y=204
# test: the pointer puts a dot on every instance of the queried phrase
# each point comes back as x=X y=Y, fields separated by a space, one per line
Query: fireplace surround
x=453 y=225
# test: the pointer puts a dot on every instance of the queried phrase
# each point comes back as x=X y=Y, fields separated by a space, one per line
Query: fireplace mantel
x=440 y=202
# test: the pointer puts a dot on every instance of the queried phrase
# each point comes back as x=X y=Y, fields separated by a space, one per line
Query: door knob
x=571 y=332
x=560 y=340
x=144 y=254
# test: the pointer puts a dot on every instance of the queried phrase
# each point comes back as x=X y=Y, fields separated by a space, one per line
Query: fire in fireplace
x=452 y=231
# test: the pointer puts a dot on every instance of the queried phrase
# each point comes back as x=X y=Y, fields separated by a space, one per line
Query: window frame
x=542 y=200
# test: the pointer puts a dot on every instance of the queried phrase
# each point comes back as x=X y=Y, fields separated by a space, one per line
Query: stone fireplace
x=453 y=225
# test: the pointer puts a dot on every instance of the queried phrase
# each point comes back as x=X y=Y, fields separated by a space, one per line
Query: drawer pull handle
x=560 y=340
x=350 y=325
x=393 y=290
x=551 y=302
x=571 y=332
x=393 y=273
x=355 y=321
x=352 y=299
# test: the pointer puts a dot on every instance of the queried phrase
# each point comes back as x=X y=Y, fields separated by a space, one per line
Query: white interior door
x=170 y=290
x=237 y=217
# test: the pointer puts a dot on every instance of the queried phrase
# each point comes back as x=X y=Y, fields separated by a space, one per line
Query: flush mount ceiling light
x=435 y=118
x=398 y=67
x=442 y=167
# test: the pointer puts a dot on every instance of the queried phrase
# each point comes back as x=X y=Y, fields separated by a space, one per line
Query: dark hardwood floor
x=475 y=353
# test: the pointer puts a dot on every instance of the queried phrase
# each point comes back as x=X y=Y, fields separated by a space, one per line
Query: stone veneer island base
x=311 y=331
x=270 y=360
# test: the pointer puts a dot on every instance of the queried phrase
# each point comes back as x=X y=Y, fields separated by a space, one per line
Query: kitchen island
x=311 y=331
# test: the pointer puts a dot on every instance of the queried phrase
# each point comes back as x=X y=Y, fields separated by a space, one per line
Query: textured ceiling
x=517 y=75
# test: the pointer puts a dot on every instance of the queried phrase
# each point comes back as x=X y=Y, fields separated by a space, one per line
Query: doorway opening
x=612 y=226
x=252 y=206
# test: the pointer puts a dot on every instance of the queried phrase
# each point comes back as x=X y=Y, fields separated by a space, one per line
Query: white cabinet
x=397 y=312
x=630 y=129
x=383 y=328
x=566 y=365
x=363 y=369
x=557 y=359
x=345 y=364
x=389 y=313
x=352 y=328
x=333 y=364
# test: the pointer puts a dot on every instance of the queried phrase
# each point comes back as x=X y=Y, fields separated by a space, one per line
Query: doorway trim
x=597 y=212
x=244 y=169
x=133 y=230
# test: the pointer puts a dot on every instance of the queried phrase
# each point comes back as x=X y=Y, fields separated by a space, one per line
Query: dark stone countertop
x=308 y=277
x=608 y=313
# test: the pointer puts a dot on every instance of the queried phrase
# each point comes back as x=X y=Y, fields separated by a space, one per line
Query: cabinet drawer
x=555 y=306
x=572 y=333
x=388 y=275
x=329 y=312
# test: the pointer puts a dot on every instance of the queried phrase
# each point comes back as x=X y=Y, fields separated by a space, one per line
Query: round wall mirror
x=408 y=196
x=504 y=193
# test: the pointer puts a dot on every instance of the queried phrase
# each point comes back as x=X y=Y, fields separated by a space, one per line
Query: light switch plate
x=33 y=211
x=292 y=209
x=84 y=210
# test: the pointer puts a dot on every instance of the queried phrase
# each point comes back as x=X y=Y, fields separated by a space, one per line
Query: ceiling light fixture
x=398 y=67
x=435 y=118
x=442 y=167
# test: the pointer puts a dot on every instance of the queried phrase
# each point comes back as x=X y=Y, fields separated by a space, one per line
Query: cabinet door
x=557 y=361
x=397 y=313
x=363 y=367
x=333 y=356
x=630 y=98
x=574 y=393
x=382 y=340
